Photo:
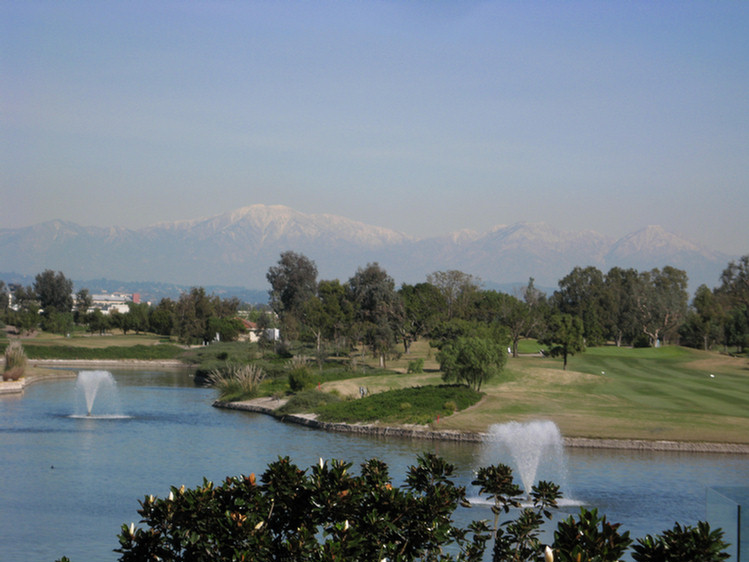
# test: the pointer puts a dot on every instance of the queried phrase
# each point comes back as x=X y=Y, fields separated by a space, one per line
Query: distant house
x=250 y=330
x=107 y=302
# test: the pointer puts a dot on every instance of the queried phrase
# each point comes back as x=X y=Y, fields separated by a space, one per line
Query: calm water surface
x=67 y=484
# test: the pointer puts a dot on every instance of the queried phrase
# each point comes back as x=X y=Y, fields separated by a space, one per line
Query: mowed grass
x=606 y=392
x=78 y=339
x=665 y=393
x=109 y=347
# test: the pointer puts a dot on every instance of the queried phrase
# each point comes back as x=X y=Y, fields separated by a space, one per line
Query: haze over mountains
x=238 y=247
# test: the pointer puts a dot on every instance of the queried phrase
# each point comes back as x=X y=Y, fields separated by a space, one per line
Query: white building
x=107 y=302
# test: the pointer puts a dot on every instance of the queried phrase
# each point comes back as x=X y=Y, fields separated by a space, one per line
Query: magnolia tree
x=330 y=513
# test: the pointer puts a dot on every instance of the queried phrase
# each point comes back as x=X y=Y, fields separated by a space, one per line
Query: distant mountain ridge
x=237 y=248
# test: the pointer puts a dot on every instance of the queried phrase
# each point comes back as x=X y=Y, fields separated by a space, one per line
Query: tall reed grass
x=237 y=382
x=15 y=361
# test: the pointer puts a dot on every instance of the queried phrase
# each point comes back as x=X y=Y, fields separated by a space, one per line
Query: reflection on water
x=68 y=484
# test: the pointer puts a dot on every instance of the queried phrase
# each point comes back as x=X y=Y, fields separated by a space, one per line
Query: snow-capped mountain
x=238 y=247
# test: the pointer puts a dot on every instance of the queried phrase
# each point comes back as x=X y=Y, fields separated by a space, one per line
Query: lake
x=67 y=484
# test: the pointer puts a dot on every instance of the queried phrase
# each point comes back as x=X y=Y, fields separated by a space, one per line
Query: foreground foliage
x=328 y=513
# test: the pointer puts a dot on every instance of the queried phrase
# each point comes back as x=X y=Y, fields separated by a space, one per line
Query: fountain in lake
x=96 y=395
x=535 y=448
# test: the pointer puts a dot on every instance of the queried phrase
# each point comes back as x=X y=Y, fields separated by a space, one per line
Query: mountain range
x=237 y=248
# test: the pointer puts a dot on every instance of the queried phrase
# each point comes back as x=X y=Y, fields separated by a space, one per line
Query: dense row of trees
x=589 y=308
x=50 y=304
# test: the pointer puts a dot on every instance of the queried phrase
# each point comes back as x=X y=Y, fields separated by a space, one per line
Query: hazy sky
x=425 y=117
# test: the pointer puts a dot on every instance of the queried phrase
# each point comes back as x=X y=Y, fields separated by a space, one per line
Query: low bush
x=307 y=401
x=300 y=377
x=416 y=366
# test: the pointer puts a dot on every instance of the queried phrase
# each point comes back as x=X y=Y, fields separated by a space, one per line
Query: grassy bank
x=145 y=347
x=664 y=393
x=606 y=392
x=140 y=352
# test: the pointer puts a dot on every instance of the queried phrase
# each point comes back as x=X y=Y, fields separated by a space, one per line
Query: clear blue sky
x=425 y=117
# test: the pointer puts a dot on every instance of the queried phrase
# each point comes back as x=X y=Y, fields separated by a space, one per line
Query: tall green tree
x=736 y=328
x=57 y=322
x=97 y=322
x=459 y=289
x=26 y=315
x=161 y=317
x=564 y=336
x=734 y=282
x=581 y=294
x=620 y=305
x=378 y=307
x=293 y=282
x=472 y=360
x=83 y=301
x=662 y=302
x=520 y=317
x=54 y=290
x=328 y=313
x=733 y=294
x=4 y=299
x=423 y=308
x=191 y=315
x=703 y=324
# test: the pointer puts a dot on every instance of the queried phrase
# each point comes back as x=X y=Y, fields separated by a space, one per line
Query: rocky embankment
x=270 y=405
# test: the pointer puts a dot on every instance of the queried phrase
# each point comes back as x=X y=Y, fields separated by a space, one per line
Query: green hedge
x=145 y=352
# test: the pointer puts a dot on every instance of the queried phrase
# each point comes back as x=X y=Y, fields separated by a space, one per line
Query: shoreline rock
x=269 y=406
x=17 y=387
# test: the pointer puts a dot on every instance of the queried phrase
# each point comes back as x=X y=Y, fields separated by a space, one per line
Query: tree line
x=50 y=304
x=450 y=308
x=589 y=308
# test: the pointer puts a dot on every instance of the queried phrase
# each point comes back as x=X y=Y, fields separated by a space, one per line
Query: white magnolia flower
x=548 y=555
x=132 y=528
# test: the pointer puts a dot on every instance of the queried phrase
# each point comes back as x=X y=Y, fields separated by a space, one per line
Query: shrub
x=237 y=382
x=308 y=401
x=591 y=538
x=15 y=361
x=300 y=378
x=416 y=366
x=682 y=543
x=642 y=340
